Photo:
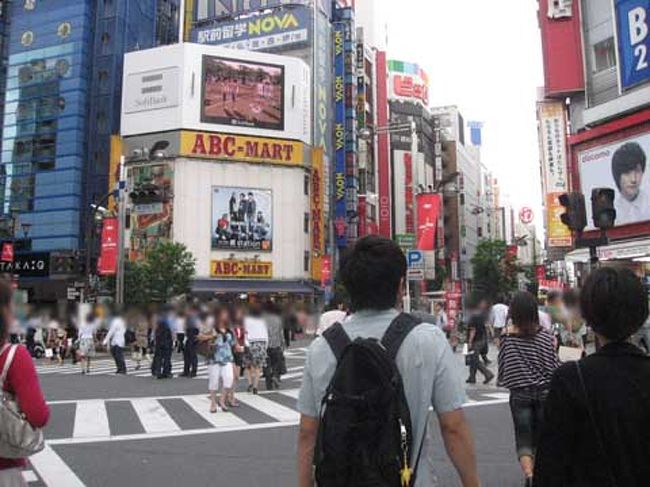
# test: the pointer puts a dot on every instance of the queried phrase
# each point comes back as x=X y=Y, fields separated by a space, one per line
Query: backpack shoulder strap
x=397 y=331
x=337 y=339
x=8 y=361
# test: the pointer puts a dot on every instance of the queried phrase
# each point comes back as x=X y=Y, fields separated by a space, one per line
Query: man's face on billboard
x=630 y=183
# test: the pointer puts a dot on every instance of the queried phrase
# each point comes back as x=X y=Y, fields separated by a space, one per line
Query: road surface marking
x=294 y=393
x=153 y=417
x=201 y=405
x=270 y=408
x=53 y=469
x=498 y=395
x=91 y=419
x=29 y=476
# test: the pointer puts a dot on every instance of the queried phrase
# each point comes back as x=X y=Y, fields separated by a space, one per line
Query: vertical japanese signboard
x=554 y=168
x=317 y=213
x=383 y=150
x=340 y=224
x=107 y=265
x=429 y=206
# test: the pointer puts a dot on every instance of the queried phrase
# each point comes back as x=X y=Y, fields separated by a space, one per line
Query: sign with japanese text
x=107 y=265
x=277 y=29
x=226 y=147
x=241 y=269
x=7 y=252
x=526 y=216
x=408 y=82
x=558 y=234
x=232 y=8
x=429 y=206
x=633 y=29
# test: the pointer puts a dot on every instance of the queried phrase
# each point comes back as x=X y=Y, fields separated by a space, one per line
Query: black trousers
x=273 y=369
x=162 y=362
x=475 y=365
x=190 y=360
x=527 y=408
x=118 y=356
x=180 y=342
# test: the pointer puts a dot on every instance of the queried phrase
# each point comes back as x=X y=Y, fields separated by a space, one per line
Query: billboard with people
x=621 y=166
x=242 y=219
x=247 y=94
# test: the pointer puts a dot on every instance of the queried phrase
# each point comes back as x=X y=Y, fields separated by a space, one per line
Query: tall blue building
x=62 y=101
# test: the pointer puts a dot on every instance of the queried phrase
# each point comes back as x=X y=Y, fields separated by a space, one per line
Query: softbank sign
x=408 y=82
x=152 y=90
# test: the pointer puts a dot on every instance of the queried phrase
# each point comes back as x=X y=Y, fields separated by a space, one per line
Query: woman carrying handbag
x=20 y=434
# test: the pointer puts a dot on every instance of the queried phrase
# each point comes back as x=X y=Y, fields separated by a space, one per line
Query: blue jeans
x=527 y=407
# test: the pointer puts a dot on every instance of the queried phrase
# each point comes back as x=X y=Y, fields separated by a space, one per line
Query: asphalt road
x=135 y=430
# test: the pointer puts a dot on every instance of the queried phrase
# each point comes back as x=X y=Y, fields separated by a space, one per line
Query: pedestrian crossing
x=97 y=420
x=106 y=367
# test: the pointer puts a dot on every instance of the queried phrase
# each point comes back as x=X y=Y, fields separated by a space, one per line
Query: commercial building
x=219 y=158
x=61 y=104
x=606 y=78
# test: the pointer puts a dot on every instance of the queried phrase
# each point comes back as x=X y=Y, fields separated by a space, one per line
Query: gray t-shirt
x=425 y=361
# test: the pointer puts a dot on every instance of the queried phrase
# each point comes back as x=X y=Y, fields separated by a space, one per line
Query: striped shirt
x=527 y=362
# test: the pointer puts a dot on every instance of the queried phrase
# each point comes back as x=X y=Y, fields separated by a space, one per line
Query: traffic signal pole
x=121 y=216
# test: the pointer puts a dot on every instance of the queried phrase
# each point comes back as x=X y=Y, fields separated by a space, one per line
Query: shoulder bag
x=18 y=438
x=594 y=425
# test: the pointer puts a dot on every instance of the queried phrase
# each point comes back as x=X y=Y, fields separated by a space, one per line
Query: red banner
x=540 y=272
x=7 y=252
x=428 y=212
x=551 y=284
x=326 y=272
x=107 y=265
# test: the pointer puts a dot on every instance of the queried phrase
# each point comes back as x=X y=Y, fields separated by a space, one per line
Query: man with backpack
x=368 y=386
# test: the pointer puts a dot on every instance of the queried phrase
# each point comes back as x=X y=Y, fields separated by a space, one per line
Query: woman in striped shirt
x=527 y=360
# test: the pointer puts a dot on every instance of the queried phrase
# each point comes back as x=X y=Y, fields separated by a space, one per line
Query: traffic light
x=147 y=193
x=602 y=207
x=575 y=216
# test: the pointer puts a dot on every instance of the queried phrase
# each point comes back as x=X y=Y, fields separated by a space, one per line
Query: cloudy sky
x=484 y=57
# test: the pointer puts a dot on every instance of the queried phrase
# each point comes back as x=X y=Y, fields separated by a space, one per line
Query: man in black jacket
x=190 y=358
x=161 y=367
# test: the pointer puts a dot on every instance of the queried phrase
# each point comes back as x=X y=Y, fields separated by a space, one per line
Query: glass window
x=604 y=55
x=307 y=261
x=306 y=222
x=306 y=185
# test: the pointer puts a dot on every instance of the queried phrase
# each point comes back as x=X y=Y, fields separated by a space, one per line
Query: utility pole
x=121 y=225
x=415 y=183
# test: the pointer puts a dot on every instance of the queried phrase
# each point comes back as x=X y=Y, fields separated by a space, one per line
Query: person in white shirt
x=633 y=199
x=336 y=314
x=87 y=342
x=115 y=339
x=498 y=318
x=257 y=339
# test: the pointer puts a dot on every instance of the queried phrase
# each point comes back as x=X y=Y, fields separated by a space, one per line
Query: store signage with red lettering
x=241 y=269
x=407 y=86
x=228 y=147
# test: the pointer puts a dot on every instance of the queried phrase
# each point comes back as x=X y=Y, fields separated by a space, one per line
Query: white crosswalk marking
x=201 y=405
x=153 y=416
x=293 y=393
x=270 y=408
x=91 y=419
x=29 y=476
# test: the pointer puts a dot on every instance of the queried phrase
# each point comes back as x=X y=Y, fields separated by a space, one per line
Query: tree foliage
x=166 y=273
x=495 y=269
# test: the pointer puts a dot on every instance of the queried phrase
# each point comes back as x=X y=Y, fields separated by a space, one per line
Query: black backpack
x=129 y=337
x=365 y=435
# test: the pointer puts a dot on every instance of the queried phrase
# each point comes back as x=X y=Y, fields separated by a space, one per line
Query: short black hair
x=524 y=313
x=553 y=296
x=627 y=158
x=371 y=272
x=571 y=298
x=614 y=303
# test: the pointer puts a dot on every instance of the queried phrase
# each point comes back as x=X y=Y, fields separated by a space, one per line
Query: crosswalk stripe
x=270 y=408
x=291 y=393
x=201 y=405
x=91 y=419
x=29 y=476
x=153 y=416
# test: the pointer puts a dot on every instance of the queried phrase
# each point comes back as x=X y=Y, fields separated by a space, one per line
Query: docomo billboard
x=408 y=82
x=622 y=166
x=222 y=90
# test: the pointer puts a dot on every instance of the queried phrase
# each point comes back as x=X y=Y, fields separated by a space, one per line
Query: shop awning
x=229 y=286
x=629 y=250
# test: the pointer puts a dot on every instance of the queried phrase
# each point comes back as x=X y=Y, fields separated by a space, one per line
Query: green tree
x=166 y=273
x=494 y=268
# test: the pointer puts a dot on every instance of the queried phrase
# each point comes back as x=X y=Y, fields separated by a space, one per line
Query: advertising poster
x=107 y=264
x=350 y=90
x=322 y=96
x=284 y=28
x=151 y=223
x=555 y=170
x=408 y=82
x=317 y=199
x=242 y=93
x=429 y=206
x=242 y=219
x=383 y=150
x=633 y=28
x=621 y=166
x=340 y=224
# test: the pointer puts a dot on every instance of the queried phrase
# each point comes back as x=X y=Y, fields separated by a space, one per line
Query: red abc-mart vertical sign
x=7 y=252
x=383 y=163
x=428 y=214
x=107 y=265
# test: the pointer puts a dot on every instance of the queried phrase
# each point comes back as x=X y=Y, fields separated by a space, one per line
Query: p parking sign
x=415 y=259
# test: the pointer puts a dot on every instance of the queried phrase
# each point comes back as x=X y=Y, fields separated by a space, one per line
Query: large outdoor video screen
x=242 y=219
x=242 y=93
x=622 y=166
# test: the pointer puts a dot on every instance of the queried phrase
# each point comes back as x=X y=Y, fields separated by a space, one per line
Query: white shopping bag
x=49 y=353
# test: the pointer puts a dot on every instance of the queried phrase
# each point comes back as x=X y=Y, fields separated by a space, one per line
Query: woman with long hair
x=257 y=338
x=220 y=370
x=21 y=382
x=527 y=360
